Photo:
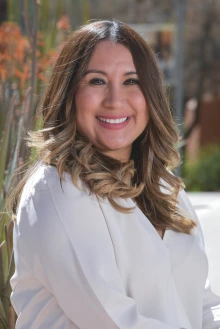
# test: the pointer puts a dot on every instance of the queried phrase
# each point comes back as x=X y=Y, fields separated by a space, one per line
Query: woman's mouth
x=112 y=121
x=115 y=123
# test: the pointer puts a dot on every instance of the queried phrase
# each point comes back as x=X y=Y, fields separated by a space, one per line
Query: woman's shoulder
x=36 y=183
x=46 y=189
x=46 y=202
x=44 y=179
x=40 y=175
x=185 y=206
x=45 y=194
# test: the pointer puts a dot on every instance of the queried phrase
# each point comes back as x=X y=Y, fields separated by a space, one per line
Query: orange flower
x=63 y=23
x=16 y=55
x=3 y=73
x=23 y=75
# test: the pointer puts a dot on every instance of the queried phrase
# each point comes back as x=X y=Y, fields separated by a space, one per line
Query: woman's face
x=111 y=110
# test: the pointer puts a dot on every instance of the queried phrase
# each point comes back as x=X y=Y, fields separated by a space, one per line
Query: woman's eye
x=131 y=82
x=97 y=81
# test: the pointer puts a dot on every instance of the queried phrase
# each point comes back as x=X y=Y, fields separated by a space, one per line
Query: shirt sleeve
x=211 y=302
x=77 y=282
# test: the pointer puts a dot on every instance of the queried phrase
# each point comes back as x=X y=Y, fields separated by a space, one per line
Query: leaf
x=7 y=290
x=5 y=139
x=13 y=165
x=11 y=271
x=8 y=253
x=10 y=233
x=2 y=267
x=3 y=319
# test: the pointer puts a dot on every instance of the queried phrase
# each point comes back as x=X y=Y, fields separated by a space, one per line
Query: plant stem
x=27 y=22
x=34 y=49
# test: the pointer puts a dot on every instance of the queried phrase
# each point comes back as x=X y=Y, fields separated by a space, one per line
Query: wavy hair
x=145 y=177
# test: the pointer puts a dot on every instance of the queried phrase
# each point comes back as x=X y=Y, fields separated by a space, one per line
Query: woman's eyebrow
x=95 y=71
x=104 y=73
x=131 y=72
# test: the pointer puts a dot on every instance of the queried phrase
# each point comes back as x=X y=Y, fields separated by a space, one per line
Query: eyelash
x=98 y=82
x=132 y=81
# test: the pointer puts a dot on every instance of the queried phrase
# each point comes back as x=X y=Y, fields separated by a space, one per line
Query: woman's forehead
x=108 y=54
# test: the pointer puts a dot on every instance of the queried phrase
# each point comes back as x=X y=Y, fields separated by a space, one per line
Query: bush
x=204 y=173
x=21 y=63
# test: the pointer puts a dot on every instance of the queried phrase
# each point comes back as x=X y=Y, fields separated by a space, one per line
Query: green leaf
x=7 y=291
x=2 y=267
x=3 y=320
x=5 y=140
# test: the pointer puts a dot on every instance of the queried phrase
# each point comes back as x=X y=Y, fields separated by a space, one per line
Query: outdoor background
x=186 y=39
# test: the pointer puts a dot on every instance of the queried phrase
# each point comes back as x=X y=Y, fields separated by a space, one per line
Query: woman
x=105 y=236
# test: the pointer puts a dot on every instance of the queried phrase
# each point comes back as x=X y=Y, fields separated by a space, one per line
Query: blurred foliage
x=15 y=75
x=15 y=60
x=50 y=13
x=204 y=173
x=25 y=60
x=7 y=268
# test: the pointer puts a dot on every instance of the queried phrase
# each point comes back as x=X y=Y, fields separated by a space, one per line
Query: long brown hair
x=146 y=175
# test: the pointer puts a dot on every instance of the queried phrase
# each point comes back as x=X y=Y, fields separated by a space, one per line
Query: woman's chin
x=119 y=152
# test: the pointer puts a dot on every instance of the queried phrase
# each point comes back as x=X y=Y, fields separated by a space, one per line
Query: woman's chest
x=148 y=264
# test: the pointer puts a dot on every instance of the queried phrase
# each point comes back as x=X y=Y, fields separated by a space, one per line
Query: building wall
x=210 y=123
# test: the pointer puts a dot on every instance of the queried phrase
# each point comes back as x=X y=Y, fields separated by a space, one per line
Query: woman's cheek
x=137 y=98
x=93 y=96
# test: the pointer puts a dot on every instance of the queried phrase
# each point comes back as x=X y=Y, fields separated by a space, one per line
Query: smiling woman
x=105 y=237
x=111 y=110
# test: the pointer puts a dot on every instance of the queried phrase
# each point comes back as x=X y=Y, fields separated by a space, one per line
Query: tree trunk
x=3 y=10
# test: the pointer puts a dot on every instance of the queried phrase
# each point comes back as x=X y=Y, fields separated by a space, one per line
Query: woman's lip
x=114 y=117
x=114 y=126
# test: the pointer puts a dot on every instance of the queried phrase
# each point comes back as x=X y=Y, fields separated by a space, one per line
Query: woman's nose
x=114 y=97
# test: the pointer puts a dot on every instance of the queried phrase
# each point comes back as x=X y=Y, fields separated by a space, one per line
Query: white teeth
x=113 y=121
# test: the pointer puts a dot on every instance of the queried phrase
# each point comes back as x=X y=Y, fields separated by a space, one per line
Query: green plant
x=204 y=173
x=7 y=313
x=24 y=66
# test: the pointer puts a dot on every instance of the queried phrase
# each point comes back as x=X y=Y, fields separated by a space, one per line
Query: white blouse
x=80 y=264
